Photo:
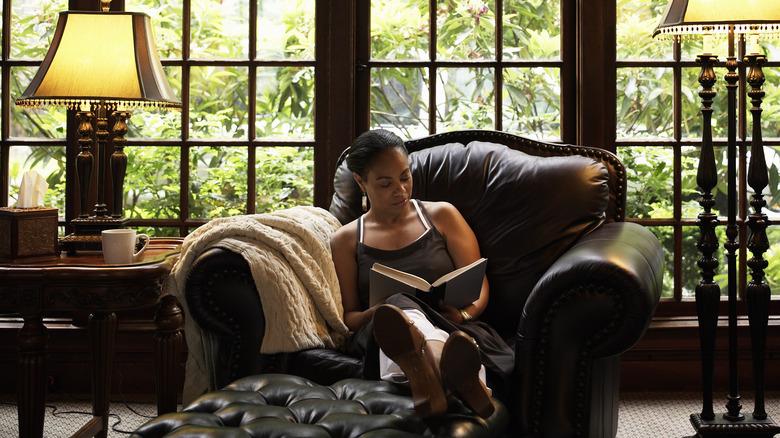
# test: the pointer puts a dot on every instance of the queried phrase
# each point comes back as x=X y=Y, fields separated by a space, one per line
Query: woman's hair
x=368 y=145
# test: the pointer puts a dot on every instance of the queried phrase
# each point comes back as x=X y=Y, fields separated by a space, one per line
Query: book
x=458 y=288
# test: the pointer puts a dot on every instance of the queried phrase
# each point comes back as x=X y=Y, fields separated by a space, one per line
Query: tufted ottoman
x=280 y=405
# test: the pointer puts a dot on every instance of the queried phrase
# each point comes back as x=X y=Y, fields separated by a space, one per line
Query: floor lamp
x=733 y=20
x=99 y=62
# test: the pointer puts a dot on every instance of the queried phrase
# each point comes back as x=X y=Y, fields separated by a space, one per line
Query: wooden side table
x=85 y=283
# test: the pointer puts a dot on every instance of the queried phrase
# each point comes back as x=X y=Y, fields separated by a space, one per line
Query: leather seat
x=272 y=405
x=572 y=285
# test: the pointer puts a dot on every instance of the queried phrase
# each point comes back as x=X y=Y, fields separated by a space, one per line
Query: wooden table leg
x=102 y=332
x=167 y=352
x=31 y=386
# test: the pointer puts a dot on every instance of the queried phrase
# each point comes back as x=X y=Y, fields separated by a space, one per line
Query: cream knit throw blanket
x=288 y=252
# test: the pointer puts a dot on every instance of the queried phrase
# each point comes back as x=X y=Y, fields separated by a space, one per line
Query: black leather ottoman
x=280 y=405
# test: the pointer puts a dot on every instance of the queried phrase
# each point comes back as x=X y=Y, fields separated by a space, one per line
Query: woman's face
x=388 y=181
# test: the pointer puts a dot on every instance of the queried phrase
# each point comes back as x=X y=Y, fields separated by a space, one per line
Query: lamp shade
x=691 y=17
x=107 y=58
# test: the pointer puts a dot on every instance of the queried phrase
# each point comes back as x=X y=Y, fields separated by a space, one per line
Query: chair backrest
x=527 y=202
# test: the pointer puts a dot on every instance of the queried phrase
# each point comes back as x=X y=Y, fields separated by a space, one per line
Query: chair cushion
x=278 y=405
x=525 y=210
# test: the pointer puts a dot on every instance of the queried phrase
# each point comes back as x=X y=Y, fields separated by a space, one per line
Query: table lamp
x=735 y=21
x=98 y=62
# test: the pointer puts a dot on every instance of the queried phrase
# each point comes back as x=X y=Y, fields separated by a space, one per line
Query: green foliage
x=466 y=97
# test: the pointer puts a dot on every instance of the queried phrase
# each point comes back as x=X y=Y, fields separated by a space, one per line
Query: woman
x=428 y=239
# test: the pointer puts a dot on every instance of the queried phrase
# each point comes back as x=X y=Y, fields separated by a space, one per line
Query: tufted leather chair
x=572 y=285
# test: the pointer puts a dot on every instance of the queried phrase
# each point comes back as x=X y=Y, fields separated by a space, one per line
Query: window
x=244 y=140
x=432 y=66
x=659 y=132
x=251 y=138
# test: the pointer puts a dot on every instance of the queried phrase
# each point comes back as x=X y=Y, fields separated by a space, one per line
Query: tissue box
x=28 y=234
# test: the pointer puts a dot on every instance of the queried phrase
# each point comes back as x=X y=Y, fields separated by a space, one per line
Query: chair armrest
x=223 y=301
x=613 y=277
x=595 y=302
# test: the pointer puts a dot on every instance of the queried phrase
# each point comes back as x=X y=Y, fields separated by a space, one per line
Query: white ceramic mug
x=119 y=246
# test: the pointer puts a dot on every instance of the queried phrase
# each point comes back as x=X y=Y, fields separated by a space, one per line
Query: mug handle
x=143 y=248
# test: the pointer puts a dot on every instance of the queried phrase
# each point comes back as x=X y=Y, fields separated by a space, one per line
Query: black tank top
x=427 y=257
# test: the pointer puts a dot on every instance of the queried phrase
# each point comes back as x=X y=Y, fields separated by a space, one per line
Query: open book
x=458 y=288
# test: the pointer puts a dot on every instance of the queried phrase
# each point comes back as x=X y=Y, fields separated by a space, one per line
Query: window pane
x=400 y=29
x=772 y=256
x=167 y=23
x=691 y=105
x=220 y=29
x=218 y=181
x=650 y=175
x=32 y=27
x=532 y=102
x=49 y=162
x=666 y=237
x=466 y=30
x=465 y=99
x=399 y=101
x=532 y=30
x=770 y=114
x=644 y=102
x=285 y=29
x=152 y=184
x=159 y=231
x=285 y=177
x=635 y=24
x=218 y=102
x=149 y=123
x=48 y=122
x=285 y=102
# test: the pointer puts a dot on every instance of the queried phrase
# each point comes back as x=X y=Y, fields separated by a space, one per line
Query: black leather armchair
x=572 y=285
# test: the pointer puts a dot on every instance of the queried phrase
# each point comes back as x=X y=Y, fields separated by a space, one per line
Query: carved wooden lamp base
x=87 y=233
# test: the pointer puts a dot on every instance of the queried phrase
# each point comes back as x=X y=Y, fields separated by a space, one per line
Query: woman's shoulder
x=346 y=236
x=440 y=209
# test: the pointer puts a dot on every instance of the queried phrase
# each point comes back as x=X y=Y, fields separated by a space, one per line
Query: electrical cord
x=55 y=412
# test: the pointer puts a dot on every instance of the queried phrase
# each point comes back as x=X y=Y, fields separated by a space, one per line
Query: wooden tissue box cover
x=28 y=234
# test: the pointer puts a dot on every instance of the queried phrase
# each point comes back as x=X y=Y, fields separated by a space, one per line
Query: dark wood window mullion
x=184 y=164
x=498 y=73
x=6 y=104
x=251 y=184
x=432 y=70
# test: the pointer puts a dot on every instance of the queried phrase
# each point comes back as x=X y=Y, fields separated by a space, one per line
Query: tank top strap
x=360 y=229
x=423 y=214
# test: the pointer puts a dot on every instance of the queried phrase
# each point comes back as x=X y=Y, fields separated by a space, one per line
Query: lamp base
x=720 y=427
x=87 y=234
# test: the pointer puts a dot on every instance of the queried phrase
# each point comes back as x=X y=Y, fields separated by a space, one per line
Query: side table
x=83 y=282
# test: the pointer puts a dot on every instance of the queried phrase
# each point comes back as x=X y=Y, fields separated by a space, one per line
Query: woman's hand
x=449 y=312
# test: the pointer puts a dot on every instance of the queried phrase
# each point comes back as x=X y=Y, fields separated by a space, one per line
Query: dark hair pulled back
x=368 y=145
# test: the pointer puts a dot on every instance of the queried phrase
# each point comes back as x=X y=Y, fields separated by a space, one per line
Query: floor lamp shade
x=695 y=17
x=107 y=58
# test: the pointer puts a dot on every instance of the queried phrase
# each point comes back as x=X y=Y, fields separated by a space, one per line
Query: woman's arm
x=463 y=248
x=343 y=246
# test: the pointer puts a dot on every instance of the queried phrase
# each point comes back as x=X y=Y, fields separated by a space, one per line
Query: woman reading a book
x=437 y=347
